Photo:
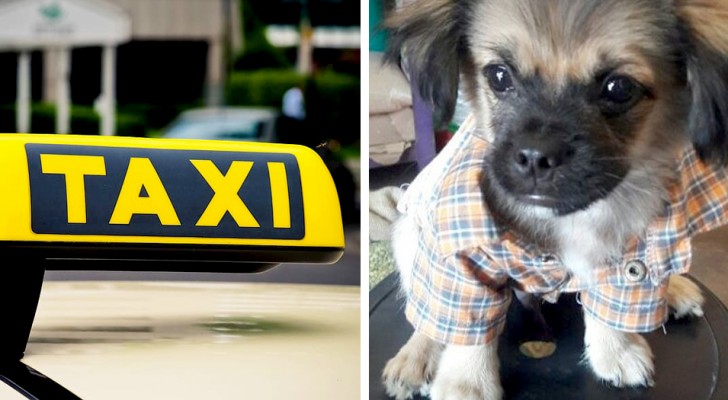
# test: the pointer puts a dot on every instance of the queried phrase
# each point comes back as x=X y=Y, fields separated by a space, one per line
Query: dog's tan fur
x=706 y=19
x=562 y=42
x=548 y=41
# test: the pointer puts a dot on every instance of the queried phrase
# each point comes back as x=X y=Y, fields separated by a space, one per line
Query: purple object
x=425 y=149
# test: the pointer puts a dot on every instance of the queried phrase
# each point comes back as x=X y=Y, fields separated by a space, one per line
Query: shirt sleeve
x=628 y=307
x=420 y=191
x=460 y=299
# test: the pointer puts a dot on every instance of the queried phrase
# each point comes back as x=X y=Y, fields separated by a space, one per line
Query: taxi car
x=131 y=204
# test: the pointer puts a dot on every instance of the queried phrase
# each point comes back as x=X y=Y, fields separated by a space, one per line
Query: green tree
x=257 y=52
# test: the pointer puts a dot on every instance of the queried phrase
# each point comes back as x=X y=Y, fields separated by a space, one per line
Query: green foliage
x=250 y=19
x=257 y=52
x=156 y=116
x=333 y=103
x=332 y=99
x=260 y=54
x=261 y=88
x=84 y=120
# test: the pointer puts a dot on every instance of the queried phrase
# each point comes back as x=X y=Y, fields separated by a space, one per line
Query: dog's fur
x=609 y=156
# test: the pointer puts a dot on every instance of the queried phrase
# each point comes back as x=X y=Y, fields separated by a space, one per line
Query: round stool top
x=691 y=354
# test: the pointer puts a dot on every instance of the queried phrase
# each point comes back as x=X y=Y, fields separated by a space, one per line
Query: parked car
x=254 y=124
x=262 y=124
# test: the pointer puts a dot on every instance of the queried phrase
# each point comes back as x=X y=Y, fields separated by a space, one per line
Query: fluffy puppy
x=589 y=110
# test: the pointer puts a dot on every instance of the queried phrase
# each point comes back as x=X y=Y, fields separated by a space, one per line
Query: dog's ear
x=705 y=24
x=424 y=38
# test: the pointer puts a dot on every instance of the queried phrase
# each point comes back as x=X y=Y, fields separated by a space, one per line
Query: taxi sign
x=236 y=201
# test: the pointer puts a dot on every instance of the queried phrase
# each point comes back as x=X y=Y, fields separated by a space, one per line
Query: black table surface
x=691 y=354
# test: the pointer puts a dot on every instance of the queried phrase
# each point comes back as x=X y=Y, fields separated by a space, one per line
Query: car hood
x=185 y=340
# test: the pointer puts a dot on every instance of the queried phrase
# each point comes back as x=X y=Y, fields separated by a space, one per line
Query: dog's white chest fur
x=591 y=237
x=581 y=243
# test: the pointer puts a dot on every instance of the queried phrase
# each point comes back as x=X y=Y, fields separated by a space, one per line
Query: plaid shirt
x=464 y=263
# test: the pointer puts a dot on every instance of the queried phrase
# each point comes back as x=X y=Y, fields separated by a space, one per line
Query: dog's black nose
x=539 y=160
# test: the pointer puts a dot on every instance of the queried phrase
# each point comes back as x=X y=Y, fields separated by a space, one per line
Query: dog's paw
x=412 y=369
x=468 y=373
x=684 y=297
x=619 y=358
x=461 y=388
x=627 y=364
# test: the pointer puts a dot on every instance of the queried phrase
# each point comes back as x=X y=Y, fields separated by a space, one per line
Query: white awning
x=28 y=24
x=334 y=37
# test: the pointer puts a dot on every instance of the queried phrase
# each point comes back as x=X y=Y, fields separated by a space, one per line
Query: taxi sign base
x=20 y=293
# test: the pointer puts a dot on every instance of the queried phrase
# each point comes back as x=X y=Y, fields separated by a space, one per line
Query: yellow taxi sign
x=90 y=189
x=162 y=192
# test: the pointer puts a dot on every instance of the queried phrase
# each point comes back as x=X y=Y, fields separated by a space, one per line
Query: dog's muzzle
x=536 y=159
x=537 y=162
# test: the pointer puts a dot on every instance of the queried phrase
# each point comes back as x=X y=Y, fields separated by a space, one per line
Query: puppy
x=594 y=152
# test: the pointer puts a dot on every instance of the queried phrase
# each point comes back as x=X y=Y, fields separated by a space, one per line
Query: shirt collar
x=461 y=215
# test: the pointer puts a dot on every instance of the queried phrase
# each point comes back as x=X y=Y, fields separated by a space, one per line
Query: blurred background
x=276 y=71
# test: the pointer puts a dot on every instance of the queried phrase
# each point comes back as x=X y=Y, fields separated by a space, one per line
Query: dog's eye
x=499 y=78
x=620 y=89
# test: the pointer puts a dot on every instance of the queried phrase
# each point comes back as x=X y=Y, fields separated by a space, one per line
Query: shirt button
x=635 y=271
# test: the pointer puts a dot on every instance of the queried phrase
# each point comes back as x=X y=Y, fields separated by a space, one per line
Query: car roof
x=220 y=122
x=216 y=112
x=191 y=340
